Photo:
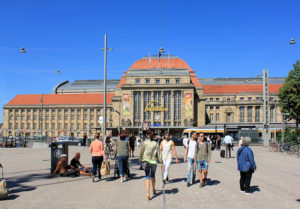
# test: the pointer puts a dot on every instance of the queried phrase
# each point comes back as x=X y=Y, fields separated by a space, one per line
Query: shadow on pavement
x=212 y=182
x=167 y=191
x=177 y=180
x=12 y=196
x=254 y=189
x=298 y=200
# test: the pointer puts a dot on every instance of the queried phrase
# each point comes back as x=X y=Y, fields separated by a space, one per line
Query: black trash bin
x=58 y=148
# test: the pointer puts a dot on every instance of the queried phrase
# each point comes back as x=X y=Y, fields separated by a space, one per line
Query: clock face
x=157 y=116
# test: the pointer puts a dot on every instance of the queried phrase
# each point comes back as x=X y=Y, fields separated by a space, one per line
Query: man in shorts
x=76 y=165
x=202 y=158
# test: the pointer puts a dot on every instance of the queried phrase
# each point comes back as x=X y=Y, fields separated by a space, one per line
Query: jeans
x=190 y=169
x=97 y=161
x=245 y=181
x=123 y=164
x=228 y=150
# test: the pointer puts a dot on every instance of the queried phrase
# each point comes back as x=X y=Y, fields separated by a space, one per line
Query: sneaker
x=248 y=193
x=202 y=184
x=164 y=181
x=188 y=184
x=124 y=178
x=121 y=179
x=93 y=178
x=205 y=182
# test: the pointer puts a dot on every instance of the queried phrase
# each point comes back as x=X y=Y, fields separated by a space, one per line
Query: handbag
x=105 y=168
x=3 y=188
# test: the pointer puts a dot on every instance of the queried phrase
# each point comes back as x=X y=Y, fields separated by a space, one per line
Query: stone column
x=172 y=108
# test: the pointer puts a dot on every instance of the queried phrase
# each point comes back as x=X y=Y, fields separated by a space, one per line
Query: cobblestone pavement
x=274 y=185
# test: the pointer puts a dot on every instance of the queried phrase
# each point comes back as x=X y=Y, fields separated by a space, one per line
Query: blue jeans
x=190 y=169
x=123 y=161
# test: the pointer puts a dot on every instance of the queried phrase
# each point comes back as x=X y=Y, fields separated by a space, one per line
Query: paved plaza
x=274 y=185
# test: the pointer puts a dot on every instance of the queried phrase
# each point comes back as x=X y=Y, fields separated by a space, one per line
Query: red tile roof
x=237 y=89
x=60 y=99
x=175 y=63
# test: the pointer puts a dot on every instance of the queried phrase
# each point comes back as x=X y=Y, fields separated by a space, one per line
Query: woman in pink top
x=97 y=151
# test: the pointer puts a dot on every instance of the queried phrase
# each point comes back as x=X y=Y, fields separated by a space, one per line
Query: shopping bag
x=105 y=168
x=3 y=188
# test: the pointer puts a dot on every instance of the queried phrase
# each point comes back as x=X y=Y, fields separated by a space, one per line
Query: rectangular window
x=22 y=125
x=59 y=126
x=228 y=99
x=258 y=98
x=53 y=126
x=16 y=126
x=217 y=99
x=10 y=126
x=217 y=118
x=250 y=114
x=78 y=126
x=242 y=98
x=242 y=114
x=167 y=81
x=92 y=125
x=85 y=126
x=137 y=81
x=28 y=126
x=211 y=99
x=211 y=117
x=217 y=107
x=157 y=114
x=34 y=126
x=177 y=107
x=257 y=114
x=272 y=113
x=72 y=126
x=211 y=107
x=66 y=126
x=147 y=80
x=137 y=111
x=249 y=98
x=167 y=105
x=228 y=115
x=147 y=99
x=157 y=81
x=47 y=126
x=177 y=81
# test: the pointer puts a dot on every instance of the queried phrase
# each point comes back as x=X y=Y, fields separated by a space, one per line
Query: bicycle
x=109 y=152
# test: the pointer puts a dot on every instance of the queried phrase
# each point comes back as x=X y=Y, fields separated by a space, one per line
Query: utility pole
x=41 y=128
x=104 y=102
x=266 y=131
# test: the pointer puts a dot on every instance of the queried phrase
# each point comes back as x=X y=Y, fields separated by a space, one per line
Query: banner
x=126 y=104
x=188 y=105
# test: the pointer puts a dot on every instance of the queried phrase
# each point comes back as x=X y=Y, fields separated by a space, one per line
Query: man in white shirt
x=189 y=156
x=228 y=142
x=184 y=141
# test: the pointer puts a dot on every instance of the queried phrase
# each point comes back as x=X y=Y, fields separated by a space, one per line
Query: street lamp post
x=105 y=64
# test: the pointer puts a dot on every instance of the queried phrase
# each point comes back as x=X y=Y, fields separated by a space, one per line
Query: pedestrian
x=202 y=157
x=139 y=142
x=218 y=142
x=150 y=154
x=246 y=164
x=240 y=142
x=228 y=143
x=84 y=139
x=132 y=140
x=189 y=156
x=122 y=149
x=185 y=140
x=98 y=155
x=167 y=146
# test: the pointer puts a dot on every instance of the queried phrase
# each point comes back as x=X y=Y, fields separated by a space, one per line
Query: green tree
x=289 y=95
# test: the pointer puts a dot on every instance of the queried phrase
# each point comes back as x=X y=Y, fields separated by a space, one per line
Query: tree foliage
x=289 y=95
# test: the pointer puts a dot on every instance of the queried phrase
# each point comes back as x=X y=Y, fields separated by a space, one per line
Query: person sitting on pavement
x=62 y=169
x=76 y=165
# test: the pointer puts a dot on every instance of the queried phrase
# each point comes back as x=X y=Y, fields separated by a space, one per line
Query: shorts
x=202 y=165
x=150 y=170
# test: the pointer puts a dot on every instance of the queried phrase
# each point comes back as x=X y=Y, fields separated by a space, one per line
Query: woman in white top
x=240 y=142
x=167 y=146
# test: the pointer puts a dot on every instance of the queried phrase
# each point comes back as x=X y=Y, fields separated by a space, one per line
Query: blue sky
x=217 y=38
